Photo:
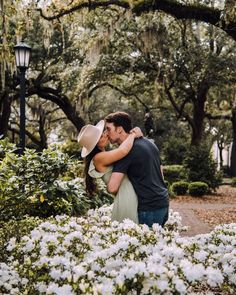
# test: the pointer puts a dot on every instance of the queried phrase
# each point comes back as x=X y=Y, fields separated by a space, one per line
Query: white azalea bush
x=92 y=255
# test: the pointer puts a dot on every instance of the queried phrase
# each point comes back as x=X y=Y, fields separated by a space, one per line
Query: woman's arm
x=106 y=158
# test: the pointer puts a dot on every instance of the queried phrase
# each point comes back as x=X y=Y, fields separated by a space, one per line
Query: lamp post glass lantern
x=22 y=54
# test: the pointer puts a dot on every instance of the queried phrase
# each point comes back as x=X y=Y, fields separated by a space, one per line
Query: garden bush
x=226 y=171
x=200 y=166
x=233 y=182
x=91 y=255
x=198 y=188
x=75 y=169
x=6 y=146
x=173 y=173
x=71 y=148
x=33 y=184
x=174 y=150
x=169 y=187
x=180 y=187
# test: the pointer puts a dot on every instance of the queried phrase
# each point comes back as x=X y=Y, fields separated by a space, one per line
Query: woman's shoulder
x=94 y=173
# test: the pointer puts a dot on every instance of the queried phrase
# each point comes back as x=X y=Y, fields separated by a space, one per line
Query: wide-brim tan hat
x=89 y=136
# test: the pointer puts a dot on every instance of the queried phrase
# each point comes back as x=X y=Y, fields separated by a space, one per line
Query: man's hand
x=115 y=182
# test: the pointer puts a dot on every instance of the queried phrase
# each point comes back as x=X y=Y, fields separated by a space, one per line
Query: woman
x=98 y=165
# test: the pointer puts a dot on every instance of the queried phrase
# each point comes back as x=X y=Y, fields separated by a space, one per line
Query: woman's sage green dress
x=125 y=202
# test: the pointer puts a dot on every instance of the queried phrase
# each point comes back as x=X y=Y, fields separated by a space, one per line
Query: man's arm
x=162 y=173
x=115 y=182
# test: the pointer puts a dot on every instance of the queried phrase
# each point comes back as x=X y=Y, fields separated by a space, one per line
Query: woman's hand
x=137 y=132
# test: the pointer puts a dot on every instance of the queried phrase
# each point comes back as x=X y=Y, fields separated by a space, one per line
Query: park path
x=191 y=219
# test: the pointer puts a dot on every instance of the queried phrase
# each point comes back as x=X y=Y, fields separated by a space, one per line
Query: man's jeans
x=159 y=216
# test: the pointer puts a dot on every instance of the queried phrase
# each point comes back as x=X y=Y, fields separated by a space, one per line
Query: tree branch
x=30 y=135
x=60 y=100
x=88 y=4
x=119 y=90
x=178 y=10
x=217 y=117
x=176 y=107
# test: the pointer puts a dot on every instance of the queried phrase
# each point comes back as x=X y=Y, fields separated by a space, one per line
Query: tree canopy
x=93 y=57
x=221 y=17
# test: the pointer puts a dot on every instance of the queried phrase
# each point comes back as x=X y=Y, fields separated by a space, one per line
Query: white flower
x=214 y=276
x=29 y=246
x=106 y=288
x=180 y=286
x=193 y=272
x=200 y=255
x=65 y=290
x=24 y=281
x=232 y=278
x=55 y=274
x=228 y=270
x=41 y=287
x=162 y=285
x=83 y=286
x=52 y=288
x=99 y=257
x=90 y=275
x=11 y=244
x=156 y=227
x=7 y=286
x=36 y=234
x=14 y=291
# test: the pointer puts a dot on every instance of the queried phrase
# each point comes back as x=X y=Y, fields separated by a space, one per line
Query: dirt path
x=190 y=218
x=201 y=215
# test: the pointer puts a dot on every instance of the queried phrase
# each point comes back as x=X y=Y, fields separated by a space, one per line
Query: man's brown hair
x=120 y=119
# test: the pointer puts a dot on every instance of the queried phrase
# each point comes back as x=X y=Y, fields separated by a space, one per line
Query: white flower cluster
x=93 y=255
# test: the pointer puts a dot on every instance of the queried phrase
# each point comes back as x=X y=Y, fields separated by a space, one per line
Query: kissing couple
x=132 y=172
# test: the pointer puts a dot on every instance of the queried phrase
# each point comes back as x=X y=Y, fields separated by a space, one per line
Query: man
x=143 y=167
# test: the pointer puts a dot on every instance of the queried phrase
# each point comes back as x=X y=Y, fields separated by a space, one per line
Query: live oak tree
x=42 y=83
x=199 y=64
x=181 y=64
x=81 y=57
x=210 y=12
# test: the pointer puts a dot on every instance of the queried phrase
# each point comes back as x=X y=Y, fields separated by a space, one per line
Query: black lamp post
x=22 y=54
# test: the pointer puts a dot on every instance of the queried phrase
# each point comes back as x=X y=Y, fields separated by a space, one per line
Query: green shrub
x=172 y=194
x=173 y=173
x=233 y=182
x=200 y=166
x=75 y=169
x=29 y=184
x=32 y=184
x=170 y=191
x=174 y=150
x=226 y=171
x=6 y=146
x=71 y=148
x=167 y=183
x=198 y=188
x=180 y=187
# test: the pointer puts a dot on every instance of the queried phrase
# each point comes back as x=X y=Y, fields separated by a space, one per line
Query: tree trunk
x=42 y=133
x=5 y=111
x=233 y=152
x=221 y=157
x=220 y=146
x=198 y=120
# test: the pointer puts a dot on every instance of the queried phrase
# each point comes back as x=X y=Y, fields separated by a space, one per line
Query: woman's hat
x=89 y=136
